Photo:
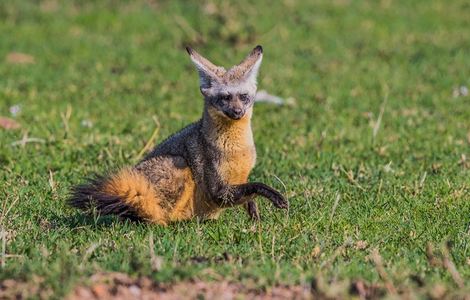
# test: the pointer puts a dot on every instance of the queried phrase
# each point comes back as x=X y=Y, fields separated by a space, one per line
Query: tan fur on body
x=235 y=139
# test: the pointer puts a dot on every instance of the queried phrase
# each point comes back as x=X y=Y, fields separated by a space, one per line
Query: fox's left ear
x=248 y=69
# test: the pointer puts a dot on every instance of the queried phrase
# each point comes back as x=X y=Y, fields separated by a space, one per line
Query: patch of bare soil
x=121 y=286
x=19 y=58
x=105 y=286
x=7 y=123
x=16 y=289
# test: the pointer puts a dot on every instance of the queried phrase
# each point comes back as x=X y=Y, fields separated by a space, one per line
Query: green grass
x=120 y=64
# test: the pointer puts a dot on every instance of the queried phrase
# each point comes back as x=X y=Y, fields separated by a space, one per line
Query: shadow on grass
x=100 y=221
x=78 y=220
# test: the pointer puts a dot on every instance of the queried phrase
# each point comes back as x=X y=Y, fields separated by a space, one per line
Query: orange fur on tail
x=137 y=192
x=126 y=193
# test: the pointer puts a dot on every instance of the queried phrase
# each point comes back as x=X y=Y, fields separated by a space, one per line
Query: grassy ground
x=374 y=154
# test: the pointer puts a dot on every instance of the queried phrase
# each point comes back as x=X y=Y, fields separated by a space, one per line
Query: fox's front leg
x=224 y=195
x=227 y=196
x=252 y=209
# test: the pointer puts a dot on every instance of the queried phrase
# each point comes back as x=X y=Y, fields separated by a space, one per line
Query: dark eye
x=226 y=97
x=244 y=97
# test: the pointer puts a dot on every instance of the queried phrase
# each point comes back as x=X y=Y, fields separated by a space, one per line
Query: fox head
x=231 y=93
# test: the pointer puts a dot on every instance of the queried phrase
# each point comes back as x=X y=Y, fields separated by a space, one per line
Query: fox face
x=231 y=93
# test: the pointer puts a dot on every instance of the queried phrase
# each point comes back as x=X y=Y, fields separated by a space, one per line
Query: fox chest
x=235 y=166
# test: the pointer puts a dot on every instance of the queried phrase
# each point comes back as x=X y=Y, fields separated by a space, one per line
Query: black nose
x=235 y=113
x=238 y=111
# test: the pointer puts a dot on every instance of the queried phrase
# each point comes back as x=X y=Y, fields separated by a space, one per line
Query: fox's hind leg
x=252 y=210
x=174 y=184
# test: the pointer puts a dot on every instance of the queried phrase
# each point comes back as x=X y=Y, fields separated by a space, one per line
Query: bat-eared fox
x=198 y=171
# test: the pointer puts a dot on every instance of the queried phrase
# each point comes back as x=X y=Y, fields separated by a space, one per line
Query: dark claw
x=279 y=201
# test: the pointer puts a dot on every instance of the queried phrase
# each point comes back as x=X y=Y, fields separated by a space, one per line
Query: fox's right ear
x=208 y=72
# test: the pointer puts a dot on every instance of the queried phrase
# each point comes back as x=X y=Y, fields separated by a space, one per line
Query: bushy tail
x=127 y=194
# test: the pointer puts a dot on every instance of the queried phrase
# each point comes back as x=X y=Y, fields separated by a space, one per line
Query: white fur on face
x=245 y=87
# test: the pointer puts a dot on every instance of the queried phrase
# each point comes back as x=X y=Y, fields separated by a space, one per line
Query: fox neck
x=225 y=133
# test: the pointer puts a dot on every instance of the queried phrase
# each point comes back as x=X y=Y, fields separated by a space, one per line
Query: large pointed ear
x=208 y=72
x=248 y=69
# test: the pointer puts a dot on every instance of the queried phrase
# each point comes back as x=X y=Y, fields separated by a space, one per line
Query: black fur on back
x=91 y=195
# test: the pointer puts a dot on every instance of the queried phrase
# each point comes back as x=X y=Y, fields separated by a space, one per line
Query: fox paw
x=252 y=210
x=278 y=200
